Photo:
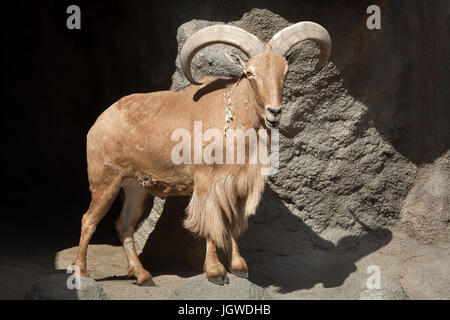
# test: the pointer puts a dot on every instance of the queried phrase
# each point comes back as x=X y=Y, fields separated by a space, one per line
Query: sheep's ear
x=236 y=59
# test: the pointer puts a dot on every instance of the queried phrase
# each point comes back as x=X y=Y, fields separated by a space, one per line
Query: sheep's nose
x=274 y=111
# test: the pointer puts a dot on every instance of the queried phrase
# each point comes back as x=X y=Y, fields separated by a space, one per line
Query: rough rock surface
x=342 y=168
x=390 y=289
x=426 y=210
x=336 y=168
x=54 y=287
x=148 y=224
x=361 y=154
x=408 y=269
x=200 y=288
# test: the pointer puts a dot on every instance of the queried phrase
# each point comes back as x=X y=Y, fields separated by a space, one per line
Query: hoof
x=147 y=283
x=144 y=277
x=240 y=273
x=216 y=273
x=219 y=280
x=83 y=272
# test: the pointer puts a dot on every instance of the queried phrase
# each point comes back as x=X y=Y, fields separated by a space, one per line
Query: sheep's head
x=266 y=74
x=266 y=67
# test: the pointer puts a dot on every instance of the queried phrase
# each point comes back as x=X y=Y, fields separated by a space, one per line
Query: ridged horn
x=284 y=40
x=230 y=35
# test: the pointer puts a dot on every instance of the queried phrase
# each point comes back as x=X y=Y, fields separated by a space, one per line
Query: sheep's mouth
x=272 y=124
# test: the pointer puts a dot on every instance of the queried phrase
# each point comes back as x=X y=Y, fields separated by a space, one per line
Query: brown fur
x=221 y=204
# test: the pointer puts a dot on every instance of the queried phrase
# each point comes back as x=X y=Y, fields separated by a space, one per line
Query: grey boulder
x=55 y=287
x=199 y=288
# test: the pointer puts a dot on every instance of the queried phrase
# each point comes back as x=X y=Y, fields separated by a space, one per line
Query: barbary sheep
x=131 y=146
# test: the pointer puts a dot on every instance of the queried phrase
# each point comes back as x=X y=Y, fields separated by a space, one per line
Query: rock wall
x=335 y=167
x=357 y=138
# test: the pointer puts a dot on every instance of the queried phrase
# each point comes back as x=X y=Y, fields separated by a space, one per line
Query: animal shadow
x=285 y=252
x=281 y=250
x=170 y=248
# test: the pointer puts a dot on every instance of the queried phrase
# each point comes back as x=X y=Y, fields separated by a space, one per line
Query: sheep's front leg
x=238 y=266
x=215 y=271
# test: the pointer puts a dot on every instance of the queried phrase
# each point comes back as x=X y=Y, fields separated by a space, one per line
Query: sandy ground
x=422 y=270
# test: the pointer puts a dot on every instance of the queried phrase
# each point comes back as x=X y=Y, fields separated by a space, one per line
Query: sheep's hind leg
x=215 y=271
x=133 y=207
x=238 y=266
x=102 y=196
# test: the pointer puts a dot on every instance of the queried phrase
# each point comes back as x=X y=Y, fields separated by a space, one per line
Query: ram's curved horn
x=230 y=35
x=284 y=40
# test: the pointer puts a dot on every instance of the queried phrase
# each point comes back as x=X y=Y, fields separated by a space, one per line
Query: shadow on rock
x=170 y=248
x=280 y=248
x=405 y=96
x=284 y=252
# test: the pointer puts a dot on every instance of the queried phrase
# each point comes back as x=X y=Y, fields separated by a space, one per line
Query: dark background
x=56 y=82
